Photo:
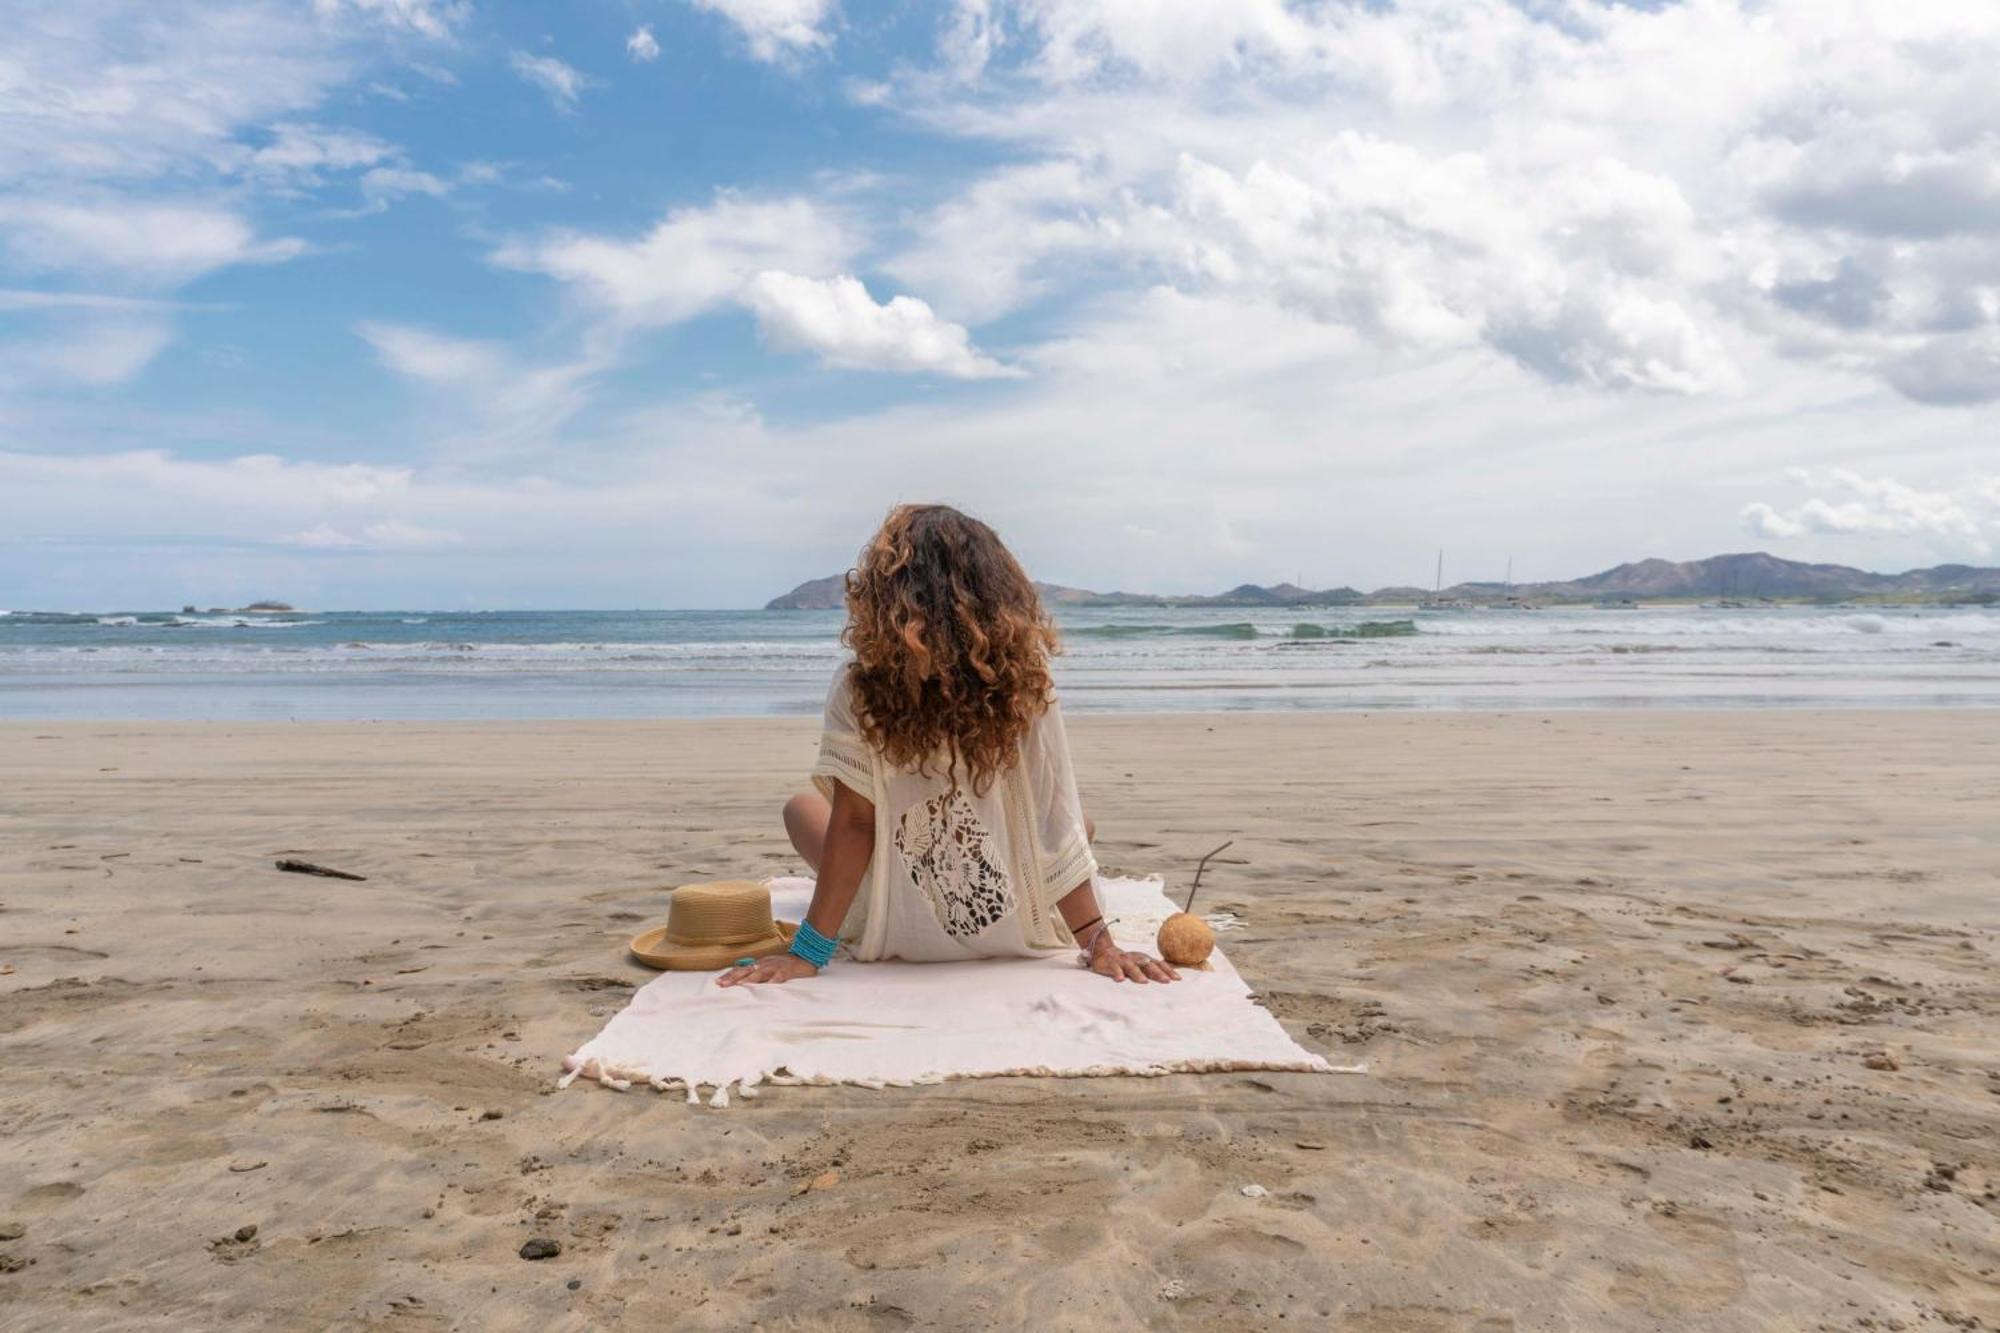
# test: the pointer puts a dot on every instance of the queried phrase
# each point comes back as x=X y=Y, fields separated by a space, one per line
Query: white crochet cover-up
x=959 y=874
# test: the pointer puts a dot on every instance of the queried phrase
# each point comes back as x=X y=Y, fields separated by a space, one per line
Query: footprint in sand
x=52 y=1195
x=1238 y=1243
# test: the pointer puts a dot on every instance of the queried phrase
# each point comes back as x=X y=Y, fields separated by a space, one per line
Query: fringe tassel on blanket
x=621 y=1078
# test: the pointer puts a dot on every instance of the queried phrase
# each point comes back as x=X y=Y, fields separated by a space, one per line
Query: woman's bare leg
x=808 y=813
x=806 y=818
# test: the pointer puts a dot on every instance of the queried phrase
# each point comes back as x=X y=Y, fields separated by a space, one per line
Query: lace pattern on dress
x=951 y=857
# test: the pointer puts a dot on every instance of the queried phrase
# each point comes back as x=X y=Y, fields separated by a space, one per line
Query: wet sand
x=1676 y=1021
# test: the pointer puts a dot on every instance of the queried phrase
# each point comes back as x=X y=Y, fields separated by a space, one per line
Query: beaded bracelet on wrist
x=812 y=946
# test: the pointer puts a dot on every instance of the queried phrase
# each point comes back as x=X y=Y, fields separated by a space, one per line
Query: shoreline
x=1618 y=977
x=1696 y=709
x=1862 y=704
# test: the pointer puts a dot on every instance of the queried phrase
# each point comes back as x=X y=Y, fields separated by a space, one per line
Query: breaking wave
x=1244 y=630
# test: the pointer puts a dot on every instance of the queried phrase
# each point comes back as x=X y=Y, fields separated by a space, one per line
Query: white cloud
x=1315 y=284
x=1954 y=369
x=392 y=535
x=97 y=349
x=694 y=260
x=118 y=92
x=388 y=535
x=1582 y=275
x=968 y=38
x=432 y=357
x=383 y=185
x=130 y=91
x=836 y=318
x=1615 y=196
x=1080 y=39
x=324 y=537
x=995 y=245
x=1924 y=194
x=290 y=486
x=300 y=157
x=1882 y=506
x=642 y=45
x=1762 y=520
x=20 y=299
x=776 y=29
x=427 y=18
x=149 y=242
x=503 y=402
x=1582 y=278
x=137 y=138
x=111 y=352
x=1195 y=441
x=563 y=83
x=303 y=150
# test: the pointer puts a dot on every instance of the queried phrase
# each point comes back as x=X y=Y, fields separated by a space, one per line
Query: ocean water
x=637 y=664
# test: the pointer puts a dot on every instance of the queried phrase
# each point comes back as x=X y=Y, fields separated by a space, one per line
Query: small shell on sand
x=1186 y=940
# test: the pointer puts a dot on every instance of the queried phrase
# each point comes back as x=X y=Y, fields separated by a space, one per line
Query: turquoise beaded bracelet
x=812 y=946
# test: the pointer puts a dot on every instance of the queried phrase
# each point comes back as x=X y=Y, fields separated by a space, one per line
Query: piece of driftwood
x=308 y=868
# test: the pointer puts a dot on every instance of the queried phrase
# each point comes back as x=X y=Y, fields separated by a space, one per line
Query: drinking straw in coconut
x=1185 y=939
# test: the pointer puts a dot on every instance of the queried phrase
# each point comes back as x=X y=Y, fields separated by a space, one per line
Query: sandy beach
x=1675 y=1021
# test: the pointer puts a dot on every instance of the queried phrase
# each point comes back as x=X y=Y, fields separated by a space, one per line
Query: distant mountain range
x=1755 y=576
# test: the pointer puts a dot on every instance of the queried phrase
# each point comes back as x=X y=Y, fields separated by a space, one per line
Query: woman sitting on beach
x=945 y=822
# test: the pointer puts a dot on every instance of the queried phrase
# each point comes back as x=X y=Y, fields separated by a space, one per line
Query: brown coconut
x=1186 y=940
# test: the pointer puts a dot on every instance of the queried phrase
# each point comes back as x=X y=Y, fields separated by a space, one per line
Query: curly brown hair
x=951 y=644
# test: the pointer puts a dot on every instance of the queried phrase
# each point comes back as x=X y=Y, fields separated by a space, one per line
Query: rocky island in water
x=254 y=609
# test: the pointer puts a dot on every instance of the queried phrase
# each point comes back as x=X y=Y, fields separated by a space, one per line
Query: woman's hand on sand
x=1108 y=960
x=780 y=967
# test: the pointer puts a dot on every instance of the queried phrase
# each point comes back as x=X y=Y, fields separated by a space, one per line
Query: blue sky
x=663 y=302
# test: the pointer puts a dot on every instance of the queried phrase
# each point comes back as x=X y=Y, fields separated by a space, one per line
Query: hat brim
x=654 y=949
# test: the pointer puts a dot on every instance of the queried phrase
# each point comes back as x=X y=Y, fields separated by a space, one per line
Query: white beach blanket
x=894 y=1024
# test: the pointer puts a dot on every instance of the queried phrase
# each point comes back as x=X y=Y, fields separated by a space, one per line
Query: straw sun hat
x=710 y=926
